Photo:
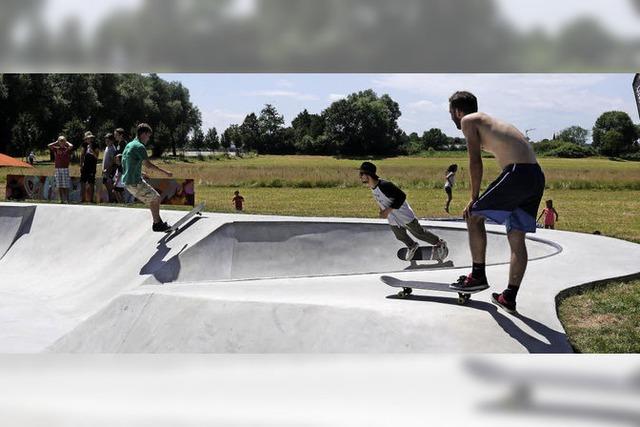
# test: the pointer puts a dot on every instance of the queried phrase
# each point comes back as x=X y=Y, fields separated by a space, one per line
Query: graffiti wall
x=28 y=187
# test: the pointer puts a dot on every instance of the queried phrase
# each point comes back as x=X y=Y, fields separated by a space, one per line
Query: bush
x=571 y=151
x=556 y=148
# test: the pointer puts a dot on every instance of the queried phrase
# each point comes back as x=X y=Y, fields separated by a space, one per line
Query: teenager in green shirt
x=133 y=158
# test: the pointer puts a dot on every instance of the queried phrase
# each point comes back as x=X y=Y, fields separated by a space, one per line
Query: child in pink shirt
x=550 y=215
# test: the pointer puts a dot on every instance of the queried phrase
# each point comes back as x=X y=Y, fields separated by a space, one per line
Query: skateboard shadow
x=415 y=266
x=163 y=271
x=557 y=341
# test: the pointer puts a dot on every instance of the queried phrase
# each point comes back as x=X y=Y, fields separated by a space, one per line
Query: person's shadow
x=557 y=341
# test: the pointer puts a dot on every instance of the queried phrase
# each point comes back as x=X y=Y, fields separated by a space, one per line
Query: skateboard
x=409 y=285
x=193 y=212
x=424 y=253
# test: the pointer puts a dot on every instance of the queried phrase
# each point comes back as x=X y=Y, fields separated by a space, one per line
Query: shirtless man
x=512 y=199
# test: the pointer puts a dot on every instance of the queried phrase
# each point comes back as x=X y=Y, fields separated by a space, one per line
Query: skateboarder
x=394 y=207
x=512 y=199
x=133 y=158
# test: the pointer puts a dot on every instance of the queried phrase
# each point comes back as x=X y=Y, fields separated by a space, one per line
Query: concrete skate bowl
x=15 y=221
x=274 y=249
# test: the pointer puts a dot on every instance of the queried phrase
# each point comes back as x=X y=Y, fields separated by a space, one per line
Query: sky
x=541 y=104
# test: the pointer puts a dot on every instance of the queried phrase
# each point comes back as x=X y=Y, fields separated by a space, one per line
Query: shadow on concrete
x=565 y=411
x=416 y=266
x=11 y=229
x=163 y=271
x=557 y=341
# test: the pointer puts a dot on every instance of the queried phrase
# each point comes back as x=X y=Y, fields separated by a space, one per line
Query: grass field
x=605 y=319
x=589 y=194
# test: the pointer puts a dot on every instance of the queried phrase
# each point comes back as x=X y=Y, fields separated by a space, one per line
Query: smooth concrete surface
x=97 y=279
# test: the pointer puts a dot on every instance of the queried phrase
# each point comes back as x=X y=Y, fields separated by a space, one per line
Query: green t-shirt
x=132 y=157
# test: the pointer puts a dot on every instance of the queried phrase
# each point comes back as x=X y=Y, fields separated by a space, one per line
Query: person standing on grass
x=550 y=215
x=121 y=140
x=512 y=199
x=61 y=149
x=237 y=201
x=108 y=165
x=394 y=207
x=133 y=158
x=450 y=177
x=118 y=186
x=88 y=164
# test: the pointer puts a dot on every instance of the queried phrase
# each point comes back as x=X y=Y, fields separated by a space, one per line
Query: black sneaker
x=468 y=283
x=160 y=226
x=501 y=301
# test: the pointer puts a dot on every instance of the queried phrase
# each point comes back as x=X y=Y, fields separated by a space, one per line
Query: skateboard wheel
x=463 y=298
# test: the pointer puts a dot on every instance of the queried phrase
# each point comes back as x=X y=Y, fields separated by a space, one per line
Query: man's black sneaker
x=160 y=226
x=468 y=283
x=500 y=301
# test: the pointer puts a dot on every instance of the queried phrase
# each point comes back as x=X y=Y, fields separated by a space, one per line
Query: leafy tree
x=574 y=134
x=25 y=134
x=197 y=141
x=435 y=139
x=250 y=133
x=612 y=143
x=614 y=133
x=211 y=140
x=271 y=125
x=232 y=136
x=363 y=124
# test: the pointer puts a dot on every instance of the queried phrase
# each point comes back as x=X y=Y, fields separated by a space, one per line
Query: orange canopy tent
x=11 y=162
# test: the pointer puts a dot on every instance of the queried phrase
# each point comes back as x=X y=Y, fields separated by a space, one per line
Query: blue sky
x=545 y=103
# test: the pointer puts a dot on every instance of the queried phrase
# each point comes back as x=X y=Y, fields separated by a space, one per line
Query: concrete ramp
x=15 y=221
x=72 y=262
x=280 y=249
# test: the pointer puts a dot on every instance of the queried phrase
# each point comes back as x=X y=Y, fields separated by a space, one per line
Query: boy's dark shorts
x=513 y=198
x=87 y=177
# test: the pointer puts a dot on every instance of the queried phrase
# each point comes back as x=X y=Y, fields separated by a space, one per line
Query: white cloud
x=282 y=94
x=333 y=97
x=220 y=119
x=427 y=106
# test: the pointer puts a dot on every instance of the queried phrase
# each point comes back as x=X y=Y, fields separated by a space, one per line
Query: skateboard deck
x=408 y=286
x=424 y=253
x=193 y=212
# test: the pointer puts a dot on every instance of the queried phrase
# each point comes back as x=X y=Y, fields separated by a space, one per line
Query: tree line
x=35 y=108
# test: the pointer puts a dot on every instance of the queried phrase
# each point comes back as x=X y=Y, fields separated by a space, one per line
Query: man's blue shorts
x=513 y=198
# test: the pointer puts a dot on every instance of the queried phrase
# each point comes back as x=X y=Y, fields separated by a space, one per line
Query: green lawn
x=604 y=319
x=589 y=194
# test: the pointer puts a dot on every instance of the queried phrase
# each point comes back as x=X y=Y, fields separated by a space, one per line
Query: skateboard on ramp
x=409 y=285
x=193 y=212
x=424 y=253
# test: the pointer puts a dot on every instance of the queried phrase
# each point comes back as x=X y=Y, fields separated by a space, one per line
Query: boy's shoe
x=468 y=283
x=160 y=226
x=440 y=251
x=500 y=301
x=411 y=251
